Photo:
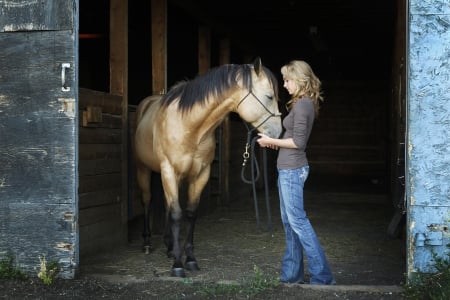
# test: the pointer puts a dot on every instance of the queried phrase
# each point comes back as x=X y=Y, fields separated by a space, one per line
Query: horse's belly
x=147 y=157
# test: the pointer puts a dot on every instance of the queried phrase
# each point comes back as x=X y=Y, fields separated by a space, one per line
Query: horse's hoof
x=192 y=266
x=178 y=272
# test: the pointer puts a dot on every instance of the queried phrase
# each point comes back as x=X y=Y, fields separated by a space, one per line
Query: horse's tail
x=144 y=105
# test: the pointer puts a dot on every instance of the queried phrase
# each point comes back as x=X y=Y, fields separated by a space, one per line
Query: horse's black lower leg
x=191 y=262
x=146 y=234
x=168 y=237
x=177 y=267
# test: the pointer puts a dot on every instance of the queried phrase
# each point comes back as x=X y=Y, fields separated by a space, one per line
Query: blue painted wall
x=428 y=133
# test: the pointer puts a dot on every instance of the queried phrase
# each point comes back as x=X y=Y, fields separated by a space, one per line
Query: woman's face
x=289 y=85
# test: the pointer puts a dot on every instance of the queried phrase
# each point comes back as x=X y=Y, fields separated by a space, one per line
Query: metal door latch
x=64 y=87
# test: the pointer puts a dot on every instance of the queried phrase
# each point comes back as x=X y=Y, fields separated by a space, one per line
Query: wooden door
x=427 y=180
x=38 y=133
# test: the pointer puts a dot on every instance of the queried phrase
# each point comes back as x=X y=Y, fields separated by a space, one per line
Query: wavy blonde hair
x=306 y=82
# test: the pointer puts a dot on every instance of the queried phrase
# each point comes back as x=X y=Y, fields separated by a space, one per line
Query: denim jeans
x=300 y=235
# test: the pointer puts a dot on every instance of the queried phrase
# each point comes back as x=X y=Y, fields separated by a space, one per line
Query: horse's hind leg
x=143 y=178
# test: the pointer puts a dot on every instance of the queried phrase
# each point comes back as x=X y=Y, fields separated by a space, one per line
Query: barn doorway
x=353 y=146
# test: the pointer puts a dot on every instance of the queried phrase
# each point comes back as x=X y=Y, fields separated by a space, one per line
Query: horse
x=175 y=137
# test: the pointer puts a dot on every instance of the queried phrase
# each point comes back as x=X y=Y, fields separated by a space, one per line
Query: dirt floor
x=240 y=260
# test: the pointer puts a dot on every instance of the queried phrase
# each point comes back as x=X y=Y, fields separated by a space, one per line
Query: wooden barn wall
x=38 y=135
x=100 y=171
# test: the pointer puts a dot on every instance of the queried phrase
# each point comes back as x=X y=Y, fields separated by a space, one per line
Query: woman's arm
x=266 y=141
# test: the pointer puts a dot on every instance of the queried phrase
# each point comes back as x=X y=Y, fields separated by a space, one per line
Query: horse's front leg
x=174 y=215
x=175 y=223
x=194 y=193
x=168 y=238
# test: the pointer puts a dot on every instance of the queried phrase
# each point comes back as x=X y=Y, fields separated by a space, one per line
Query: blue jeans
x=300 y=235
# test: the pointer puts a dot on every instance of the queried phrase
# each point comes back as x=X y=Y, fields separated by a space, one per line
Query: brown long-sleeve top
x=298 y=125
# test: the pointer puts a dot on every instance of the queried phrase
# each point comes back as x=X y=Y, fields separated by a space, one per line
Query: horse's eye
x=270 y=97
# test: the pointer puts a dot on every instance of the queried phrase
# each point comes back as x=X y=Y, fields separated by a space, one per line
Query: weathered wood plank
x=99 y=166
x=36 y=15
x=99 y=151
x=108 y=121
x=99 y=182
x=33 y=229
x=38 y=143
x=99 y=198
x=94 y=215
x=100 y=136
x=110 y=103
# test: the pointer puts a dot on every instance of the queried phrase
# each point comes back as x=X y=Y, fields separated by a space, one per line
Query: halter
x=246 y=154
x=254 y=165
x=271 y=114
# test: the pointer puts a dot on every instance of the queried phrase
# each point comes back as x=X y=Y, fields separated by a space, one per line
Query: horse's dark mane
x=215 y=83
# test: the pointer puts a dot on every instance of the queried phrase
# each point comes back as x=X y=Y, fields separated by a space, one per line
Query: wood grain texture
x=38 y=177
x=36 y=15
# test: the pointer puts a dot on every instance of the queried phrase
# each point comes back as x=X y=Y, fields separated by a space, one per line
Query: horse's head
x=258 y=104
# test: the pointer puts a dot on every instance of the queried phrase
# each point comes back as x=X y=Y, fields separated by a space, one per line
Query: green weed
x=48 y=270
x=8 y=270
x=434 y=286
x=258 y=283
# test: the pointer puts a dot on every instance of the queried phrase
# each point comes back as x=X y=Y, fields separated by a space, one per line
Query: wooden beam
x=159 y=46
x=204 y=49
x=118 y=37
x=159 y=86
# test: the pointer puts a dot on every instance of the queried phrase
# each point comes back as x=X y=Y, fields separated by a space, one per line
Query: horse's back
x=145 y=104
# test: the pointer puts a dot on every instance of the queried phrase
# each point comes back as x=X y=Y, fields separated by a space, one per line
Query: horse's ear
x=257 y=65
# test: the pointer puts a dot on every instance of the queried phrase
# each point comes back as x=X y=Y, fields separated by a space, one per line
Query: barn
x=72 y=73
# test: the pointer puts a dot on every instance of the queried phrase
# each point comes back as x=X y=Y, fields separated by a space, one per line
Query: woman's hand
x=266 y=142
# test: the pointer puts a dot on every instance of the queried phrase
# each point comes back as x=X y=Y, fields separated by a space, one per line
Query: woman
x=305 y=90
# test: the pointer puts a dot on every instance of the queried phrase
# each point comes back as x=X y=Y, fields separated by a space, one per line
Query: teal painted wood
x=428 y=138
x=39 y=137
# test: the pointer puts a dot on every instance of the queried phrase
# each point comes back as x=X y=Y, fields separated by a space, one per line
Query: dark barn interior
x=351 y=45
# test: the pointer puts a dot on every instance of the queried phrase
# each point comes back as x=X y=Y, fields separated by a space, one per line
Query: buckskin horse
x=175 y=137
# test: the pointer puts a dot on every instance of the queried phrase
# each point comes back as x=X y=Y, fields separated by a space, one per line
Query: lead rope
x=255 y=173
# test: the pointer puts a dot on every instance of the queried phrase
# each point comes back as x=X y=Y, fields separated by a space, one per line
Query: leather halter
x=271 y=114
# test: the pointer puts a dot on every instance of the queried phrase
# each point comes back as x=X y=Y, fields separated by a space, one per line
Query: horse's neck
x=210 y=119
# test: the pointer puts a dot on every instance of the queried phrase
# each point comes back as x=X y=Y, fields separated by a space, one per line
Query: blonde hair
x=306 y=82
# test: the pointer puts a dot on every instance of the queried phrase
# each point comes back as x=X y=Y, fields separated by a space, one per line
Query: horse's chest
x=193 y=161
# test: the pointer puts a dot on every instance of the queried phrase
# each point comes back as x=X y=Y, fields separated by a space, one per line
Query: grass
x=258 y=283
x=432 y=286
x=8 y=270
